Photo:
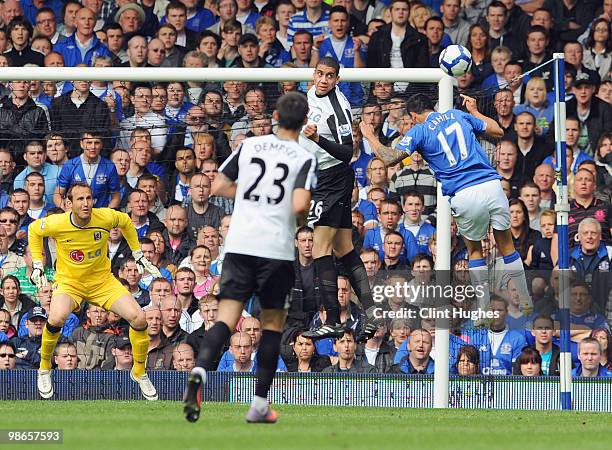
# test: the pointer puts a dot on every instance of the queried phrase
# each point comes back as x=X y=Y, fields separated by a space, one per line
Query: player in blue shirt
x=447 y=141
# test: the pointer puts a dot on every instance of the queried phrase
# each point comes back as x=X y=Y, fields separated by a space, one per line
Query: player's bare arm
x=493 y=128
x=301 y=204
x=390 y=156
x=223 y=186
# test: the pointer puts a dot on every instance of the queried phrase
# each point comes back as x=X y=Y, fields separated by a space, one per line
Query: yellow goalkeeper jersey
x=82 y=252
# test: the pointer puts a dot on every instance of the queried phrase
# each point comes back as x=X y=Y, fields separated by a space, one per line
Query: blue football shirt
x=447 y=141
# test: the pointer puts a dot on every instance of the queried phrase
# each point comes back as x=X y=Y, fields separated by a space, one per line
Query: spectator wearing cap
x=595 y=115
x=131 y=17
x=83 y=45
x=248 y=51
x=136 y=52
x=19 y=33
x=122 y=354
x=28 y=347
x=139 y=14
x=176 y=15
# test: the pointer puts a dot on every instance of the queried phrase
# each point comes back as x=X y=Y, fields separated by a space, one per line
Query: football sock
x=514 y=268
x=140 y=348
x=260 y=404
x=267 y=361
x=50 y=335
x=212 y=342
x=479 y=275
x=358 y=277
x=325 y=271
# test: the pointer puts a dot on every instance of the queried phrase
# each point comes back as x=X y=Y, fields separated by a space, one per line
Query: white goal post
x=165 y=74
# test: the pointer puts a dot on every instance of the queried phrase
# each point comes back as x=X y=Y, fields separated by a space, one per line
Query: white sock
x=514 y=268
x=479 y=276
x=260 y=404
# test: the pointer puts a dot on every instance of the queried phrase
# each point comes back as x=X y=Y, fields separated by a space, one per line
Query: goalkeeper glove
x=144 y=265
x=38 y=277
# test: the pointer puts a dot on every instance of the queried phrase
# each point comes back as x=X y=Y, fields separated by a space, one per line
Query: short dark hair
x=45 y=9
x=303 y=229
x=419 y=103
x=88 y=134
x=32 y=175
x=208 y=33
x=497 y=4
x=328 y=61
x=338 y=9
x=16 y=22
x=74 y=186
x=435 y=19
x=292 y=109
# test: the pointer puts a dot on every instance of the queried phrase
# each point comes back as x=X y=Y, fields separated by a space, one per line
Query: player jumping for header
x=330 y=136
x=447 y=141
x=84 y=273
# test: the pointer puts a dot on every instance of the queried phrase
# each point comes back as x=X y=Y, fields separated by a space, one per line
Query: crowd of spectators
x=153 y=150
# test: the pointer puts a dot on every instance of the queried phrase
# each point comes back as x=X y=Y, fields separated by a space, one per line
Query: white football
x=455 y=60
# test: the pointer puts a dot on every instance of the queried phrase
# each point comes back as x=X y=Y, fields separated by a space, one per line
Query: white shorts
x=476 y=207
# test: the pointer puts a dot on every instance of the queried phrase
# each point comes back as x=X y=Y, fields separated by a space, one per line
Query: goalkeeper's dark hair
x=292 y=109
x=328 y=61
x=80 y=184
x=419 y=103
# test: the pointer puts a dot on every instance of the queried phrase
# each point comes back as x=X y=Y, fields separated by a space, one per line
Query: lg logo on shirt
x=78 y=256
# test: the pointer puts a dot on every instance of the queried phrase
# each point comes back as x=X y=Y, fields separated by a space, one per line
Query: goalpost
x=429 y=75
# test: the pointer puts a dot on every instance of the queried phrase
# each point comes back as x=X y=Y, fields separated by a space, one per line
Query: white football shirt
x=266 y=169
x=332 y=116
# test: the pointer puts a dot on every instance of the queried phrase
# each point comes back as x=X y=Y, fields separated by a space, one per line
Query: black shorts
x=331 y=200
x=245 y=275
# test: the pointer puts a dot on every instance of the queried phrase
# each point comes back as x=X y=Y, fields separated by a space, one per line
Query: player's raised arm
x=493 y=129
x=390 y=156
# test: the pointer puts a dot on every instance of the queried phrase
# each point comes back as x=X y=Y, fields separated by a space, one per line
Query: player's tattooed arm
x=389 y=155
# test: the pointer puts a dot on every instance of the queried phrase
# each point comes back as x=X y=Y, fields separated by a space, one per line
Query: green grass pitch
x=108 y=425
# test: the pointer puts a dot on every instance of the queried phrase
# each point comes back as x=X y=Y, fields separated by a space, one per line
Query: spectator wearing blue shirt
x=583 y=318
x=537 y=104
x=198 y=17
x=35 y=158
x=418 y=359
x=589 y=354
x=83 y=45
x=590 y=260
x=30 y=10
x=414 y=206
x=343 y=48
x=247 y=15
x=314 y=19
x=239 y=357
x=498 y=345
x=98 y=172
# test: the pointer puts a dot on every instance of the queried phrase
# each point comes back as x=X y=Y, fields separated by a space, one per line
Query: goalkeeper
x=84 y=273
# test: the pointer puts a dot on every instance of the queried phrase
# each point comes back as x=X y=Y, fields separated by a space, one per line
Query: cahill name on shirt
x=439 y=118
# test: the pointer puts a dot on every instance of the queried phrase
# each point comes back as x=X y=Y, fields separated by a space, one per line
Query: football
x=455 y=60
